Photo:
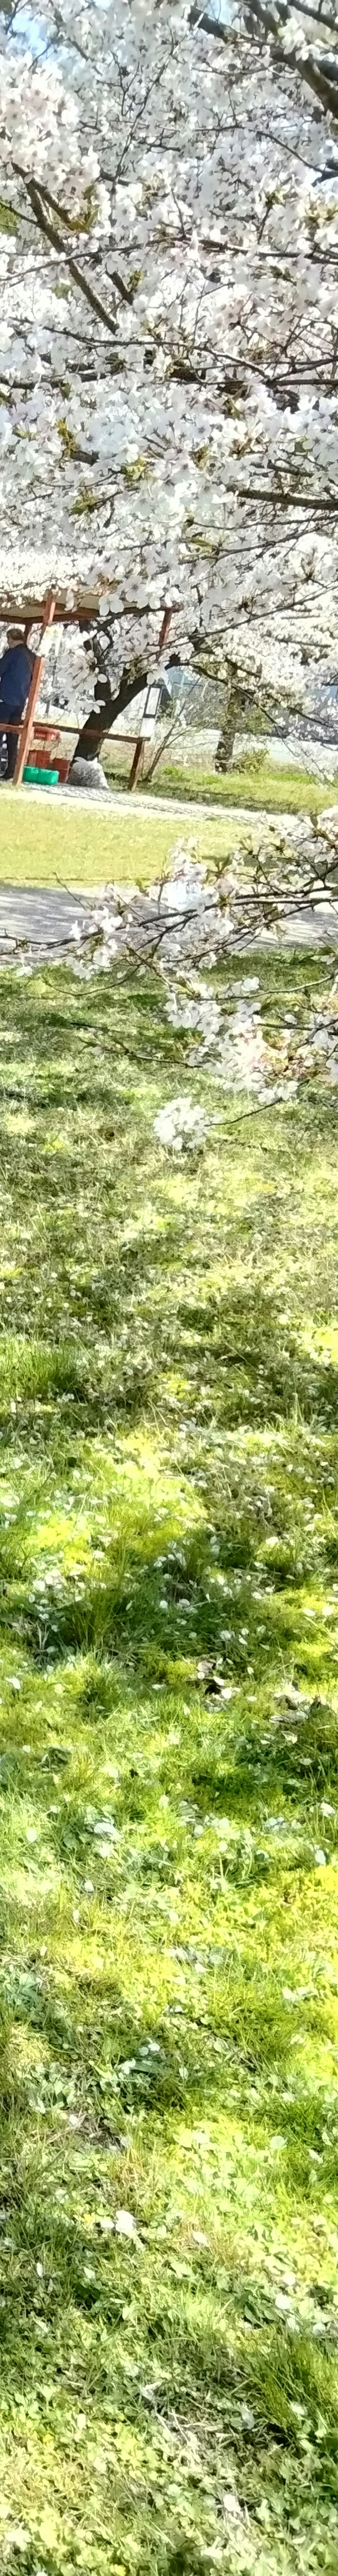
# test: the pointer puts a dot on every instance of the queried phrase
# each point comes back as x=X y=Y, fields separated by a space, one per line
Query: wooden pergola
x=45 y=613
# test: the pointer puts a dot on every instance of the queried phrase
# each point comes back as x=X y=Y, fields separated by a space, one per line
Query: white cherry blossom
x=169 y=323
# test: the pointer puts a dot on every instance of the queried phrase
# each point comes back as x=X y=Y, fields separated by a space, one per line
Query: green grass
x=169 y=1939
x=44 y=842
x=278 y=790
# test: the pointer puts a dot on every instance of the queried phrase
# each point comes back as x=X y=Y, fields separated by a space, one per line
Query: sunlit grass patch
x=47 y=843
x=258 y=782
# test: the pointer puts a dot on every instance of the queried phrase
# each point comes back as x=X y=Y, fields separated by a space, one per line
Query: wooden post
x=137 y=762
x=27 y=727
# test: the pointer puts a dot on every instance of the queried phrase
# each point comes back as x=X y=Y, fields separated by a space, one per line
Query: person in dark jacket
x=16 y=666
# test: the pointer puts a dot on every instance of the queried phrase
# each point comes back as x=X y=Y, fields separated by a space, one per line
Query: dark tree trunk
x=104 y=714
x=229 y=728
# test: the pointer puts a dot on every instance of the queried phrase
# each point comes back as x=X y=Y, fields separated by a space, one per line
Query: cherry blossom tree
x=303 y=37
x=169 y=328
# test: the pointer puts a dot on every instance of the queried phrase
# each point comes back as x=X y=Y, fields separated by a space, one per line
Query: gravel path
x=119 y=801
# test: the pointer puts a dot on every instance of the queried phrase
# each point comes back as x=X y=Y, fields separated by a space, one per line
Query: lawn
x=168 y=1798
x=46 y=842
x=262 y=785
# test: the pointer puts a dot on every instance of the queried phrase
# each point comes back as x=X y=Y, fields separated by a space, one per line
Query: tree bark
x=103 y=715
x=229 y=728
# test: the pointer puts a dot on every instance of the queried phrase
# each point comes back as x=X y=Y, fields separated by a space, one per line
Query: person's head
x=14 y=635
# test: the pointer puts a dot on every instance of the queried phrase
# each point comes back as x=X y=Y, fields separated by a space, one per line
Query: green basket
x=42 y=777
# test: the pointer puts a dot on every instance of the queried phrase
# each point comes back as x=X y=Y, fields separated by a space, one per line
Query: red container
x=42 y=747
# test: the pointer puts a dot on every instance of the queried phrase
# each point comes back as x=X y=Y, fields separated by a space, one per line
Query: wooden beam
x=29 y=611
x=28 y=722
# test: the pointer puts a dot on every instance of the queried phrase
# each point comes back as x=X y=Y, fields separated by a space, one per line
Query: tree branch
x=125 y=292
x=51 y=234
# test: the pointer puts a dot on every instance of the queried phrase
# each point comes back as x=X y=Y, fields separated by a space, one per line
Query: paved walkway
x=37 y=925
x=42 y=916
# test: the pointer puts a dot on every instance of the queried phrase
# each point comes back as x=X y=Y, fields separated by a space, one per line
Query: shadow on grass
x=237 y=1363
x=219 y=1616
x=249 y=1336
x=214 y=2339
x=220 y=1592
